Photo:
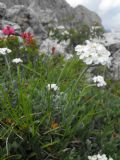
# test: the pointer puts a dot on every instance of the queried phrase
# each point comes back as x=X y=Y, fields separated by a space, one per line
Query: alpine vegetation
x=57 y=98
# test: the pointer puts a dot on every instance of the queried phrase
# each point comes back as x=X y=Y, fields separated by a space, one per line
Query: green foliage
x=80 y=36
x=58 y=34
x=20 y=48
x=71 y=123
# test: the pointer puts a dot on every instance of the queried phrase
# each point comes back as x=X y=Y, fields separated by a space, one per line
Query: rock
x=25 y=18
x=47 y=17
x=115 y=68
x=3 y=9
x=64 y=14
x=85 y=16
x=114 y=48
x=30 y=30
x=112 y=38
x=10 y=3
x=16 y=27
x=58 y=11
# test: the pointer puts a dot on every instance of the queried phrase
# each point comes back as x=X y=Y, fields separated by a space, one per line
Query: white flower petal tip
x=99 y=81
x=99 y=157
x=53 y=87
x=17 y=60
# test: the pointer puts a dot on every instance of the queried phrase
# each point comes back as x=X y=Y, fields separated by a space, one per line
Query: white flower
x=49 y=43
x=99 y=80
x=53 y=87
x=5 y=51
x=99 y=157
x=68 y=56
x=51 y=33
x=93 y=54
x=60 y=27
x=17 y=60
x=65 y=33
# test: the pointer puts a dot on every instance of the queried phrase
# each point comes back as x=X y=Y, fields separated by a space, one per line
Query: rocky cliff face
x=37 y=15
x=10 y=3
x=85 y=16
x=57 y=12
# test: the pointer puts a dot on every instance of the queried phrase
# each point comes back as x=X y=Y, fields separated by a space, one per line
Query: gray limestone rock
x=58 y=11
x=16 y=27
x=26 y=18
x=85 y=16
x=115 y=68
x=3 y=9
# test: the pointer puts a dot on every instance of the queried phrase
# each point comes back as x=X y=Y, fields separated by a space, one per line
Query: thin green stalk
x=60 y=76
x=7 y=139
x=62 y=72
x=75 y=85
x=18 y=74
x=9 y=70
x=31 y=70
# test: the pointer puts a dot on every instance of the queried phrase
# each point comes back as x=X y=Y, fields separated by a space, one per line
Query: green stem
x=75 y=85
x=62 y=72
x=31 y=70
x=18 y=74
x=9 y=70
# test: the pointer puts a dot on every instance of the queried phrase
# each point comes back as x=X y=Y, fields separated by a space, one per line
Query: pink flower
x=8 y=30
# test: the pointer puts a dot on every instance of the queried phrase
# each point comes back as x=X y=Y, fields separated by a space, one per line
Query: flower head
x=93 y=54
x=5 y=51
x=17 y=60
x=99 y=157
x=27 y=37
x=8 y=30
x=99 y=80
x=54 y=46
x=53 y=87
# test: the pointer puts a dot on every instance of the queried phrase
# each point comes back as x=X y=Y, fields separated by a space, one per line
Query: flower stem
x=75 y=85
x=9 y=70
x=18 y=74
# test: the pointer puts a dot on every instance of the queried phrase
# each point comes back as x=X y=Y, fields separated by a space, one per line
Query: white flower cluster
x=4 y=51
x=99 y=157
x=49 y=43
x=17 y=60
x=52 y=87
x=60 y=27
x=65 y=33
x=99 y=80
x=95 y=27
x=93 y=54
